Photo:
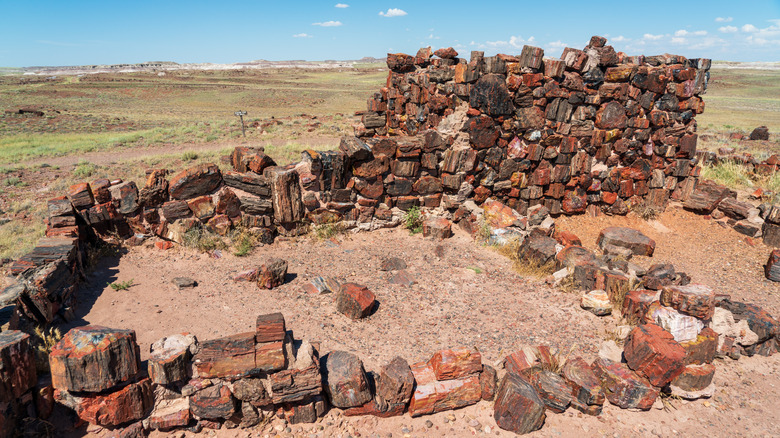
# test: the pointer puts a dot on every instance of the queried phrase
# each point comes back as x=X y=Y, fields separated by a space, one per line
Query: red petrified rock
x=17 y=365
x=168 y=414
x=455 y=363
x=695 y=377
x=652 y=352
x=611 y=115
x=637 y=303
x=270 y=327
x=587 y=394
x=271 y=274
x=93 y=359
x=553 y=390
x=518 y=408
x=437 y=227
x=213 y=402
x=431 y=396
x=355 y=301
x=488 y=380
x=523 y=362
x=111 y=409
x=80 y=196
x=195 y=181
x=701 y=350
x=237 y=356
x=345 y=380
x=623 y=387
x=694 y=299
x=772 y=267
x=447 y=53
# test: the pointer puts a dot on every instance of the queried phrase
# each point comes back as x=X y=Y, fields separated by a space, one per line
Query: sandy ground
x=465 y=295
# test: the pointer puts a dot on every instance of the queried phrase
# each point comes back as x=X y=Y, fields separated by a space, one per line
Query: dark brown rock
x=286 y=194
x=518 y=407
x=629 y=238
x=125 y=196
x=759 y=321
x=585 y=385
x=438 y=228
x=94 y=358
x=537 y=249
x=760 y=133
x=249 y=182
x=772 y=267
x=695 y=377
x=271 y=274
x=611 y=115
x=491 y=96
x=702 y=349
x=553 y=390
x=169 y=361
x=355 y=301
x=80 y=195
x=488 y=382
x=17 y=365
x=394 y=385
x=345 y=380
x=155 y=191
x=195 y=181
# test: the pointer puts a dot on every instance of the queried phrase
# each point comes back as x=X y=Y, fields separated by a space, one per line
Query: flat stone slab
x=628 y=238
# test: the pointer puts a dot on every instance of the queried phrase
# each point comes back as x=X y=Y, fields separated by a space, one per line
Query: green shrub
x=414 y=220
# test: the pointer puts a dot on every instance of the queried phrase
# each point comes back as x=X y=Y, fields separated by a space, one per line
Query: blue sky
x=76 y=32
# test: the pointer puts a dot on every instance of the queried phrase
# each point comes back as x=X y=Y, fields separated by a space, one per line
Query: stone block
x=345 y=380
x=701 y=350
x=653 y=353
x=695 y=377
x=394 y=386
x=759 y=321
x=130 y=403
x=169 y=414
x=272 y=273
x=772 y=267
x=597 y=302
x=518 y=407
x=94 y=359
x=623 y=387
x=585 y=385
x=169 y=361
x=270 y=328
x=431 y=396
x=355 y=301
x=488 y=380
x=17 y=365
x=213 y=402
x=80 y=195
x=438 y=228
x=195 y=181
x=554 y=391
x=455 y=363
x=682 y=327
x=237 y=356
x=629 y=238
x=695 y=300
x=126 y=196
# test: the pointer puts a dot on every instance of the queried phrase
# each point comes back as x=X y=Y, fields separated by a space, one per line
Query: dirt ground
x=465 y=295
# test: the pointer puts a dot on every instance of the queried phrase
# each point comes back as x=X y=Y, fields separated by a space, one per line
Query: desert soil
x=465 y=295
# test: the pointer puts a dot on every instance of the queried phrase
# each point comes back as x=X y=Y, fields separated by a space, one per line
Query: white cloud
x=724 y=20
x=749 y=28
x=556 y=45
x=301 y=35
x=728 y=29
x=652 y=37
x=683 y=32
x=393 y=12
x=341 y=5
x=433 y=37
x=618 y=39
x=679 y=40
x=328 y=24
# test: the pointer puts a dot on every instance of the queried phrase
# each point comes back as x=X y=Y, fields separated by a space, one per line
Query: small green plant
x=46 y=338
x=189 y=156
x=84 y=169
x=14 y=181
x=475 y=269
x=121 y=285
x=413 y=221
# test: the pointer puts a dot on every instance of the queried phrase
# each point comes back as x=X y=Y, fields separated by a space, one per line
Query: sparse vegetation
x=121 y=285
x=189 y=156
x=243 y=242
x=46 y=338
x=84 y=169
x=202 y=240
x=327 y=231
x=413 y=221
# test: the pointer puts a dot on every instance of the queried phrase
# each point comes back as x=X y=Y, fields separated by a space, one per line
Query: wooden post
x=241 y=115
